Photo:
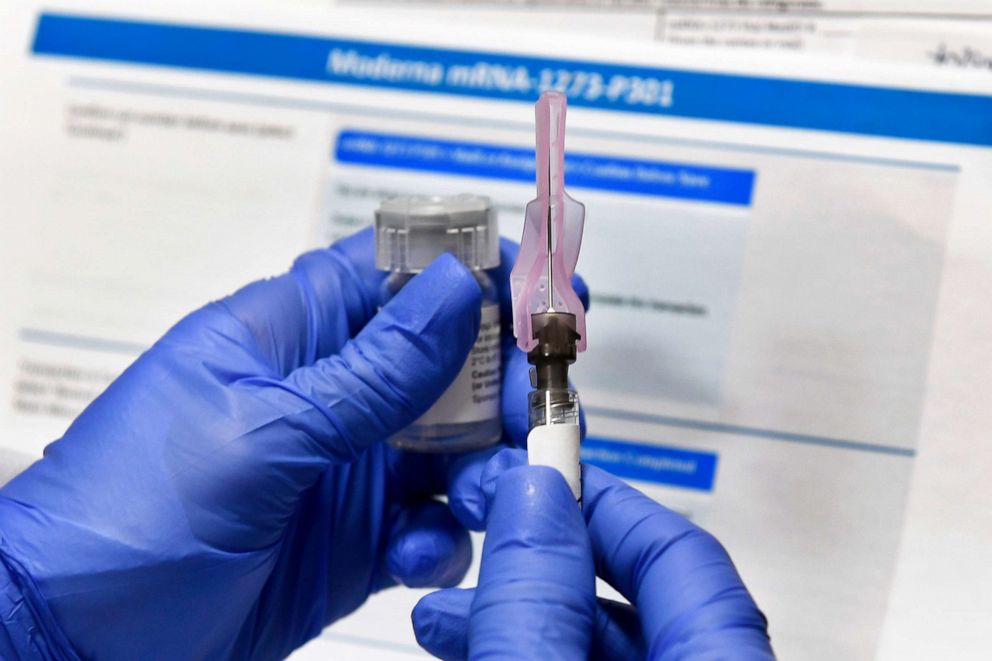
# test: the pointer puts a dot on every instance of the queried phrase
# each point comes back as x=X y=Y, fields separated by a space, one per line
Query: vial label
x=475 y=393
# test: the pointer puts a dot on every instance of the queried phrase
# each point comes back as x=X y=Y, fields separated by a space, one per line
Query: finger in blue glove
x=441 y=623
x=536 y=593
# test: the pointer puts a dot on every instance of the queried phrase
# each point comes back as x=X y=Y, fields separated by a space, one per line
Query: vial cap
x=412 y=231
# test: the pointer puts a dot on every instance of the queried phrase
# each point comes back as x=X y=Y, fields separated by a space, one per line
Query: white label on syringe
x=557 y=446
x=474 y=395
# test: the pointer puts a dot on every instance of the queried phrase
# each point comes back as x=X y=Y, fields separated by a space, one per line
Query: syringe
x=549 y=319
x=554 y=434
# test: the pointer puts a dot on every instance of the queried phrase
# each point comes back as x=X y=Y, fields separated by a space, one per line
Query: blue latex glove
x=537 y=584
x=228 y=495
x=688 y=600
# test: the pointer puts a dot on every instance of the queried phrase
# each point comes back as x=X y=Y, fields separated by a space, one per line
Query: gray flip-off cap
x=411 y=231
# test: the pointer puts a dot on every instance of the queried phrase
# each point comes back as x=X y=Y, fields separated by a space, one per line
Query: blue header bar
x=942 y=117
x=652 y=463
x=488 y=161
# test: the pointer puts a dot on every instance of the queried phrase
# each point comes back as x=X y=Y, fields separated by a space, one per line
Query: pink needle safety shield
x=541 y=279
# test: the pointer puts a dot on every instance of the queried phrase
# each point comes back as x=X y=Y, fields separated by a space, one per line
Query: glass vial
x=410 y=233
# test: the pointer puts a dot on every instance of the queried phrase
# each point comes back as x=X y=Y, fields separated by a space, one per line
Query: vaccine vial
x=410 y=233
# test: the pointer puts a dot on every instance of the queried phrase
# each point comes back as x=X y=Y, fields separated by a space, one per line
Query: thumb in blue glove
x=536 y=592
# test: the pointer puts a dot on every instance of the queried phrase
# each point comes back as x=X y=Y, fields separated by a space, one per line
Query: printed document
x=790 y=264
x=941 y=34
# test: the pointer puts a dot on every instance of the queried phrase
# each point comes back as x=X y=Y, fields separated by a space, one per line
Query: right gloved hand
x=535 y=594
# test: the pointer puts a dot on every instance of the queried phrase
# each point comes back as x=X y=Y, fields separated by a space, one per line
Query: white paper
x=823 y=341
x=937 y=33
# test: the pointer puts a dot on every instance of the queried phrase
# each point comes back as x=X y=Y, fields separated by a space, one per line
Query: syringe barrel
x=555 y=407
x=555 y=435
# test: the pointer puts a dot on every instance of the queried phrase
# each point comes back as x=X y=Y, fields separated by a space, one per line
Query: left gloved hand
x=229 y=495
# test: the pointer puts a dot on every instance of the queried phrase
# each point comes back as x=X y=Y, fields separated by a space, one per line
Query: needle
x=551 y=300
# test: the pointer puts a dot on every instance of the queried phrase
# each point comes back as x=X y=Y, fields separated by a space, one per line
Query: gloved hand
x=537 y=586
x=228 y=495
x=535 y=593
